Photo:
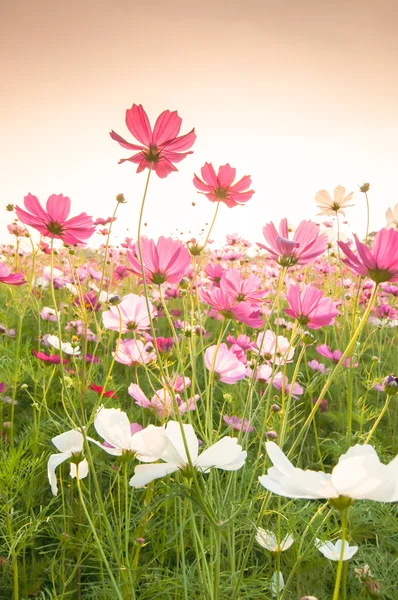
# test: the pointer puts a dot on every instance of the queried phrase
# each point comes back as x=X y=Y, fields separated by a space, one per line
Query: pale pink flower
x=220 y=187
x=133 y=353
x=392 y=218
x=310 y=307
x=274 y=348
x=10 y=278
x=305 y=246
x=133 y=314
x=225 y=305
x=238 y=424
x=240 y=289
x=160 y=148
x=329 y=205
x=224 y=364
x=282 y=382
x=167 y=261
x=162 y=401
x=53 y=222
x=380 y=263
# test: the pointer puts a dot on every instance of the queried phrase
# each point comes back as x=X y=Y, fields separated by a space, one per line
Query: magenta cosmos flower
x=240 y=289
x=220 y=187
x=167 y=261
x=159 y=148
x=380 y=263
x=305 y=246
x=310 y=307
x=10 y=278
x=224 y=364
x=226 y=305
x=53 y=222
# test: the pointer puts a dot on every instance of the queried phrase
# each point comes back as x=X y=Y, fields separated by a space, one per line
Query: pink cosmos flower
x=334 y=355
x=280 y=381
x=276 y=349
x=133 y=353
x=130 y=315
x=167 y=261
x=380 y=263
x=225 y=305
x=10 y=278
x=159 y=148
x=305 y=246
x=240 y=290
x=162 y=402
x=310 y=307
x=317 y=366
x=238 y=424
x=100 y=221
x=220 y=187
x=53 y=222
x=242 y=340
x=52 y=359
x=225 y=365
x=214 y=273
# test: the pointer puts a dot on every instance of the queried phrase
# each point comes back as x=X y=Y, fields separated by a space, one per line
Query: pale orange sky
x=301 y=95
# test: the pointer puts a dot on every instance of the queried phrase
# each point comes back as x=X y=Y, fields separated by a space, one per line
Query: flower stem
x=379 y=418
x=336 y=593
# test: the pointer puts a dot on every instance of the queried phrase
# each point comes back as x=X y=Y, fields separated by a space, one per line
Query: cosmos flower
x=268 y=540
x=274 y=348
x=226 y=305
x=305 y=246
x=10 y=278
x=162 y=401
x=333 y=551
x=113 y=425
x=379 y=264
x=133 y=353
x=226 y=454
x=238 y=424
x=334 y=355
x=130 y=315
x=159 y=148
x=220 y=187
x=224 y=364
x=53 y=222
x=53 y=359
x=70 y=445
x=66 y=347
x=332 y=206
x=167 y=260
x=242 y=290
x=310 y=307
x=358 y=475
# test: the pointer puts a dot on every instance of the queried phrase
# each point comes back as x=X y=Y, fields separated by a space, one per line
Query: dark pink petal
x=209 y=175
x=167 y=127
x=226 y=175
x=33 y=205
x=115 y=136
x=184 y=142
x=58 y=207
x=203 y=187
x=138 y=124
x=242 y=184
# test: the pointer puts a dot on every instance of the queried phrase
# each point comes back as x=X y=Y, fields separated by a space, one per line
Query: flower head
x=225 y=364
x=220 y=187
x=329 y=205
x=159 y=148
x=333 y=551
x=380 y=263
x=268 y=540
x=305 y=246
x=130 y=315
x=167 y=260
x=392 y=218
x=10 y=278
x=225 y=454
x=310 y=307
x=53 y=222
x=70 y=444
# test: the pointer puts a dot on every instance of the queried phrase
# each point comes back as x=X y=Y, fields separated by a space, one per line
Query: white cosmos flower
x=329 y=205
x=67 y=348
x=358 y=475
x=268 y=540
x=121 y=437
x=70 y=444
x=392 y=218
x=225 y=454
x=277 y=583
x=333 y=551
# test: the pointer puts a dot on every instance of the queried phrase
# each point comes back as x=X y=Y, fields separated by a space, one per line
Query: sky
x=300 y=95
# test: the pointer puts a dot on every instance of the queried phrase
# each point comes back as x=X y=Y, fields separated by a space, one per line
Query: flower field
x=185 y=420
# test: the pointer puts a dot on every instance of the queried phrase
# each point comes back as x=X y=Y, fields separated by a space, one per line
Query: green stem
x=379 y=418
x=336 y=593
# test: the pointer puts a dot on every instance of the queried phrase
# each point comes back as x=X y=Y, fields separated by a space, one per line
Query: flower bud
x=275 y=408
x=391 y=385
x=10 y=207
x=374 y=588
x=307 y=338
x=364 y=187
x=114 y=300
x=121 y=199
x=184 y=283
x=271 y=435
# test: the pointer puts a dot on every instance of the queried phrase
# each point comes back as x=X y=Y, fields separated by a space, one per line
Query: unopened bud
x=121 y=199
x=184 y=283
x=364 y=187
x=271 y=435
x=391 y=385
x=373 y=588
x=307 y=338
x=10 y=207
x=275 y=408
x=114 y=300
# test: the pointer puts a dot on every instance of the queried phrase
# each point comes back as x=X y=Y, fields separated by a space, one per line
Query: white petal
x=82 y=469
x=174 y=435
x=225 y=454
x=53 y=462
x=70 y=441
x=149 y=443
x=144 y=474
x=113 y=425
